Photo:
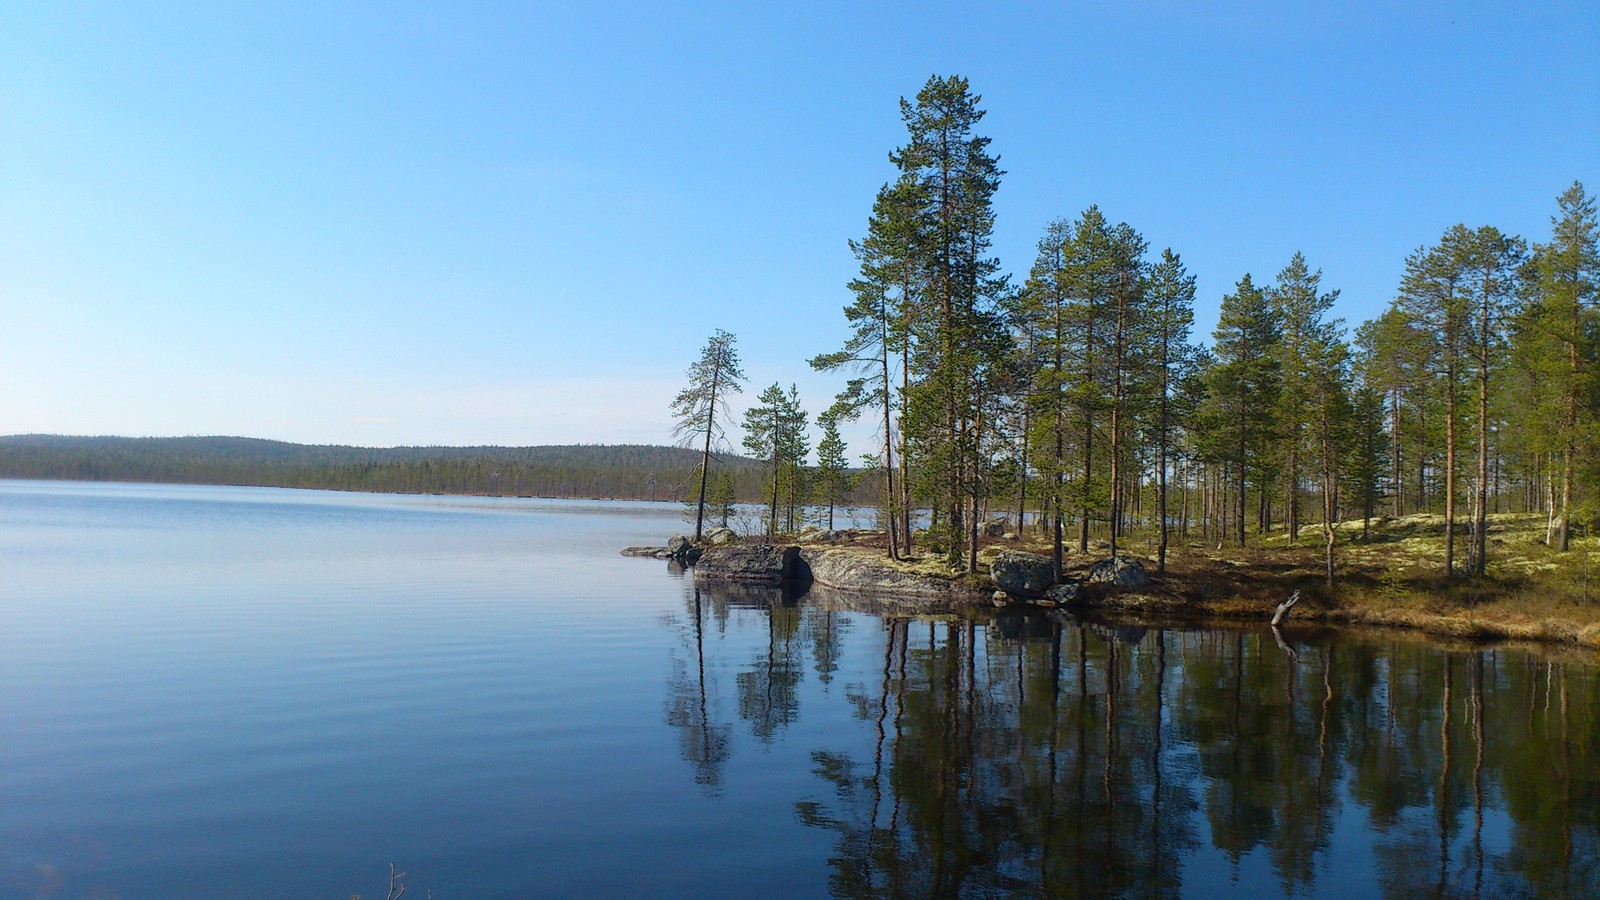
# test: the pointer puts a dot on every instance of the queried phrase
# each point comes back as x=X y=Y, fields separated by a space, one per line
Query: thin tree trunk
x=1480 y=539
x=973 y=525
x=1294 y=482
x=1242 y=507
x=1059 y=474
x=888 y=457
x=1548 y=499
x=1570 y=427
x=905 y=463
x=1480 y=521
x=1398 y=487
x=1450 y=465
x=1088 y=435
x=705 y=456
x=1161 y=452
x=1328 y=495
x=1117 y=364
x=1022 y=485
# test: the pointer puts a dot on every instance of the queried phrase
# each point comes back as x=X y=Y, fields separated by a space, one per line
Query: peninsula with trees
x=1435 y=466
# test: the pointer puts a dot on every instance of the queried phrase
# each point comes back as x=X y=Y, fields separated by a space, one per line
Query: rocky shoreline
x=1013 y=576
x=1118 y=585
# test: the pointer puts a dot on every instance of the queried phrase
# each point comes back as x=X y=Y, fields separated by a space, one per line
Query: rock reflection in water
x=1025 y=752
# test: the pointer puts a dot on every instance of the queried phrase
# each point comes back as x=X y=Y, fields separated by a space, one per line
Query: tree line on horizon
x=627 y=472
x=1082 y=398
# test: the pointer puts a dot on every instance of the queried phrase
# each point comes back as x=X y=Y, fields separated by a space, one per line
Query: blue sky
x=379 y=223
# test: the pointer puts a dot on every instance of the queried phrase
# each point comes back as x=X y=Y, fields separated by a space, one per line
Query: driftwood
x=1283 y=608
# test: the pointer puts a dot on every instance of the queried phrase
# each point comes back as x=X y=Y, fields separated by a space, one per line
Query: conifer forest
x=1078 y=402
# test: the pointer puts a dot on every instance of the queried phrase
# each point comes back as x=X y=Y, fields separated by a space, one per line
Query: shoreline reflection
x=1025 y=751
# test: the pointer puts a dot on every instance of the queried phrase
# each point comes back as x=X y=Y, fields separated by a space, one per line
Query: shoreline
x=1237 y=587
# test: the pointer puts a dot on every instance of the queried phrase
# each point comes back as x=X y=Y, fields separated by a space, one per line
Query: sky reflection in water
x=207 y=691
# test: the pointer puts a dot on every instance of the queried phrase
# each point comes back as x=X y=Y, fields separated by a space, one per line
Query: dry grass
x=1396 y=578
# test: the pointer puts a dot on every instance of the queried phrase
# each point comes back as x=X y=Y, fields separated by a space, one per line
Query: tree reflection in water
x=1028 y=753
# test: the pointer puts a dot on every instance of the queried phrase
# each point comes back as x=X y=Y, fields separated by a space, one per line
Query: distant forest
x=623 y=472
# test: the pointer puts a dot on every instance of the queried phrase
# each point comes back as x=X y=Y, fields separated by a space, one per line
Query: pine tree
x=1493 y=260
x=797 y=447
x=701 y=408
x=1302 y=312
x=721 y=498
x=1172 y=312
x=956 y=178
x=1044 y=316
x=1366 y=454
x=1327 y=402
x=1242 y=389
x=887 y=288
x=1434 y=296
x=1089 y=276
x=1567 y=272
x=1128 y=349
x=833 y=466
x=774 y=432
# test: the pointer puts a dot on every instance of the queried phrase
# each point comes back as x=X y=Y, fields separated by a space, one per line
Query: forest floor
x=1392 y=577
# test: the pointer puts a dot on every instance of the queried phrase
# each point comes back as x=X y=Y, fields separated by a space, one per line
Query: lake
x=223 y=691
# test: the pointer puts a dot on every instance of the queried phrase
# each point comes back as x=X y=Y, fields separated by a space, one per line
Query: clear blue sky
x=403 y=223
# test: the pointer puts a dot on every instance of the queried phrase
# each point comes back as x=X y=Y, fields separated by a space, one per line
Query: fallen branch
x=1283 y=608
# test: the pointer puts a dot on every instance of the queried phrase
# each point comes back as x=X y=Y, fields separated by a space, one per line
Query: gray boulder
x=1064 y=594
x=719 y=536
x=1120 y=571
x=755 y=563
x=678 y=545
x=996 y=528
x=1022 y=574
x=867 y=572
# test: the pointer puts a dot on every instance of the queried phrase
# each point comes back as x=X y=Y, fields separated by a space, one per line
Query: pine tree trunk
x=1327 y=493
x=1480 y=524
x=1243 y=507
x=1184 y=476
x=1116 y=480
x=1398 y=488
x=1294 y=483
x=888 y=460
x=1450 y=467
x=1568 y=445
x=1088 y=437
x=905 y=463
x=1059 y=475
x=772 y=518
x=705 y=456
x=1117 y=363
x=1161 y=479
x=1022 y=487
x=977 y=492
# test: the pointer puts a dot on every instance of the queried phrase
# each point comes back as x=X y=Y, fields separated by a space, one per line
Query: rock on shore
x=1022 y=574
x=846 y=570
x=754 y=563
x=1120 y=571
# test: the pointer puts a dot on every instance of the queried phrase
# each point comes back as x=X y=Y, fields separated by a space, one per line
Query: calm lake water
x=218 y=692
